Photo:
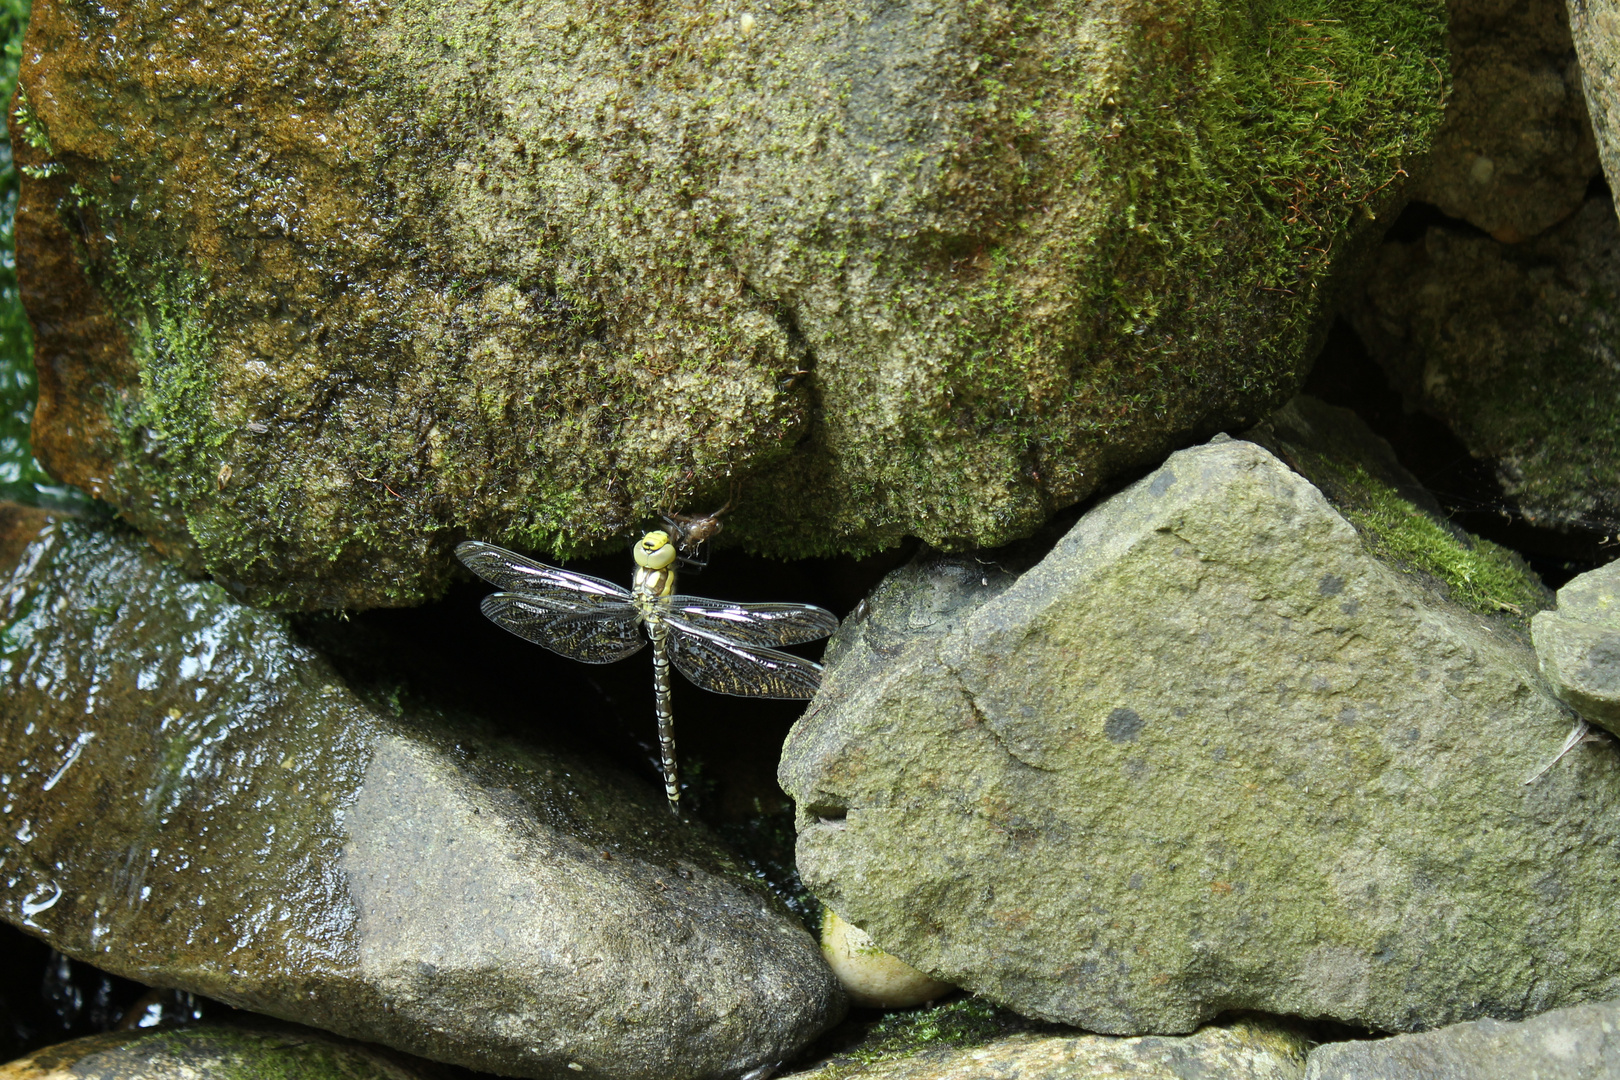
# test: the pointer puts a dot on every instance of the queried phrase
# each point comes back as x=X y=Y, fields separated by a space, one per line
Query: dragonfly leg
x=666 y=719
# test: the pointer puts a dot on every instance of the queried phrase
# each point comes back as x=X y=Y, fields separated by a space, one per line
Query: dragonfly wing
x=594 y=637
x=564 y=589
x=754 y=624
x=729 y=667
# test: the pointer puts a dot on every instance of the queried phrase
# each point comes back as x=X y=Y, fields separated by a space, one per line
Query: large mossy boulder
x=193 y=798
x=1222 y=748
x=320 y=290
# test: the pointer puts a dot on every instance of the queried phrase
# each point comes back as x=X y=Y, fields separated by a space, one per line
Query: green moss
x=1480 y=575
x=967 y=1021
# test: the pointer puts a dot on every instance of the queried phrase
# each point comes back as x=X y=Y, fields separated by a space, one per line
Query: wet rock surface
x=1245 y=1050
x=192 y=798
x=532 y=274
x=1516 y=152
x=1564 y=1044
x=1209 y=754
x=214 y=1051
x=1579 y=645
x=1512 y=347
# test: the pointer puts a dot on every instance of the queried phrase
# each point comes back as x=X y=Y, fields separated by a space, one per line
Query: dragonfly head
x=655 y=550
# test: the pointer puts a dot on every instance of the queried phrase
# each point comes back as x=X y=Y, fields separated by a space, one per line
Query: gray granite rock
x=1211 y=753
x=535 y=272
x=1596 y=28
x=1516 y=153
x=1578 y=1043
x=1512 y=346
x=1579 y=645
x=191 y=798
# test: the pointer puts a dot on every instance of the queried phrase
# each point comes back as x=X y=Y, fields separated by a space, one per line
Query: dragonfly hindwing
x=594 y=636
x=754 y=624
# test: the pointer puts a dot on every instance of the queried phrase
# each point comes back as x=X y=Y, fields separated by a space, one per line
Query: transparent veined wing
x=595 y=637
x=727 y=667
x=563 y=589
x=754 y=624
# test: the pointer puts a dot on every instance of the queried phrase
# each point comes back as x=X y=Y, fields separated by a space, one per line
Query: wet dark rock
x=1243 y=1050
x=193 y=799
x=1211 y=753
x=1579 y=645
x=215 y=1051
x=534 y=274
x=1512 y=346
x=1516 y=153
x=1578 y=1043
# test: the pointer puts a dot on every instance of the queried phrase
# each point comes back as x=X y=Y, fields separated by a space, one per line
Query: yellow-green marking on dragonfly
x=724 y=647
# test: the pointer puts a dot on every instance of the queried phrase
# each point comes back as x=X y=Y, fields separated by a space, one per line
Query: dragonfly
x=728 y=648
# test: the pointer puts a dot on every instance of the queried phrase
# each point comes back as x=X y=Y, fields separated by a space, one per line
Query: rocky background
x=1203 y=416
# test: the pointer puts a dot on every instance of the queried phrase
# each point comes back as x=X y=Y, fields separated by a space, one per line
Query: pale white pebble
x=872 y=978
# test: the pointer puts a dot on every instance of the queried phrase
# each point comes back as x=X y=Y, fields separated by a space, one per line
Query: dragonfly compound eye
x=655 y=551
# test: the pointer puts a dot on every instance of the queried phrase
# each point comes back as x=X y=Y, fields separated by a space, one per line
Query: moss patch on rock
x=1480 y=575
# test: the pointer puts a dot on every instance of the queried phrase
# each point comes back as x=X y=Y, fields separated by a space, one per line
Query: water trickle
x=41 y=899
x=72 y=755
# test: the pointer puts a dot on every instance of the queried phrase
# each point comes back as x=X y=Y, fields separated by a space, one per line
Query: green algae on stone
x=1244 y=1049
x=215 y=1051
x=1210 y=754
x=195 y=799
x=536 y=272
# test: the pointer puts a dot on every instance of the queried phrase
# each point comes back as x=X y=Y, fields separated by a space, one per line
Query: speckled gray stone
x=1209 y=754
x=1579 y=645
x=1596 y=28
x=1579 y=1043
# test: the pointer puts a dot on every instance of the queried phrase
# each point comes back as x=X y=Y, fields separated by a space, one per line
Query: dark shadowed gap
x=1346 y=375
x=450 y=655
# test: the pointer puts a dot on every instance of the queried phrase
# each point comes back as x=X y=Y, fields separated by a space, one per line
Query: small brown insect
x=692 y=533
x=224 y=475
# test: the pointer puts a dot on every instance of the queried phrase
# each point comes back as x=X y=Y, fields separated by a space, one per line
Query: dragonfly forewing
x=564 y=588
x=594 y=637
x=725 y=666
x=755 y=624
